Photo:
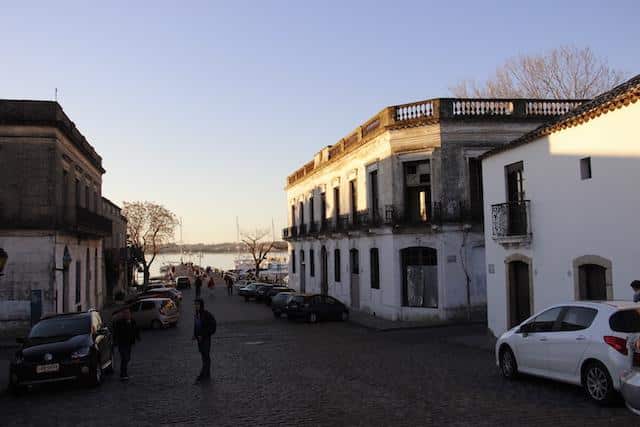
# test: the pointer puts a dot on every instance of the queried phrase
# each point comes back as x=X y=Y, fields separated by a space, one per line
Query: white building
x=562 y=205
x=51 y=222
x=388 y=220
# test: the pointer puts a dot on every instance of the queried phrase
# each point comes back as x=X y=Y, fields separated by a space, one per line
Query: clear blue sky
x=206 y=107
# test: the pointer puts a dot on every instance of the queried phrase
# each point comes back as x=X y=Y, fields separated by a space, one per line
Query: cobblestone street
x=269 y=371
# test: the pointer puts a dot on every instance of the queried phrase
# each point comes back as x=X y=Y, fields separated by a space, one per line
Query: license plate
x=53 y=367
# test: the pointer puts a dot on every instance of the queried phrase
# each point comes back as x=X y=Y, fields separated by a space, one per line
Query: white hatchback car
x=583 y=343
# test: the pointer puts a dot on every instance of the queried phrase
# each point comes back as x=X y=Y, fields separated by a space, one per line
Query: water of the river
x=214 y=260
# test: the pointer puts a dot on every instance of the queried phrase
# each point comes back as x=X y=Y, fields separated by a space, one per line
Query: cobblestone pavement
x=270 y=371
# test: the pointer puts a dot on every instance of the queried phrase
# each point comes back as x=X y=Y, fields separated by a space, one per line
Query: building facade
x=389 y=219
x=51 y=224
x=115 y=250
x=561 y=203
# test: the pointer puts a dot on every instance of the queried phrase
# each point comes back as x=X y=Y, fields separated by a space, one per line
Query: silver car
x=630 y=380
x=155 y=313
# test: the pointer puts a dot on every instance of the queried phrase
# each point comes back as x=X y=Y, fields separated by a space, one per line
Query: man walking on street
x=229 y=282
x=204 y=325
x=125 y=334
x=198 y=285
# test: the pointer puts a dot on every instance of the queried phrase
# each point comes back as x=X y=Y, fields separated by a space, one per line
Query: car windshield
x=61 y=326
x=626 y=321
x=298 y=299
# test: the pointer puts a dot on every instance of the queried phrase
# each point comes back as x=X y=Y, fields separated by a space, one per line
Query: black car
x=249 y=291
x=275 y=291
x=261 y=292
x=316 y=307
x=279 y=301
x=71 y=346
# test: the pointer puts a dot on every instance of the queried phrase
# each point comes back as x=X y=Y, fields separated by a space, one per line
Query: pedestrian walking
x=125 y=335
x=204 y=325
x=211 y=284
x=229 y=282
x=635 y=285
x=198 y=285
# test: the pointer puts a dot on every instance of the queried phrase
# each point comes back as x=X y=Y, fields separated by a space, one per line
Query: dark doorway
x=592 y=282
x=417 y=183
x=336 y=204
x=419 y=277
x=324 y=271
x=519 y=292
x=303 y=273
x=353 y=197
x=354 y=268
x=515 y=196
x=375 y=202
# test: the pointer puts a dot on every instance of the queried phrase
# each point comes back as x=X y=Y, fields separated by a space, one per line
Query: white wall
x=571 y=217
x=386 y=302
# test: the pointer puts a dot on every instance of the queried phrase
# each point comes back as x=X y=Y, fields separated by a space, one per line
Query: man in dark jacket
x=198 y=285
x=204 y=325
x=125 y=334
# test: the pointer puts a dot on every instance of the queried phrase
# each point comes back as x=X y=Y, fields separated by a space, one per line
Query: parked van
x=155 y=313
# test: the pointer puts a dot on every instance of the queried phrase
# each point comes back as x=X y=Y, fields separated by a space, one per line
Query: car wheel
x=313 y=317
x=345 y=316
x=508 y=364
x=156 y=324
x=597 y=383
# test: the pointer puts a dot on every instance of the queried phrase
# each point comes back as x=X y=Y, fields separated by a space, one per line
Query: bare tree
x=562 y=73
x=149 y=226
x=258 y=246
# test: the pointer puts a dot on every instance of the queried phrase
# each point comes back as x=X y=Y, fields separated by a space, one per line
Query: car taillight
x=619 y=344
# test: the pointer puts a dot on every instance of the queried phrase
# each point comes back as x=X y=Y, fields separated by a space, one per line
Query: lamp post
x=4 y=256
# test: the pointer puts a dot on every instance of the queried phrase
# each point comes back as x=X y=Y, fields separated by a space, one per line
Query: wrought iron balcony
x=453 y=212
x=511 y=222
x=302 y=230
x=91 y=223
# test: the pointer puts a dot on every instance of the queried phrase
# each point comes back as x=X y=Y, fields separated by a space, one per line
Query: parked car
x=172 y=293
x=630 y=381
x=583 y=343
x=155 y=313
x=279 y=301
x=249 y=291
x=261 y=292
x=71 y=346
x=275 y=290
x=316 y=307
x=183 y=282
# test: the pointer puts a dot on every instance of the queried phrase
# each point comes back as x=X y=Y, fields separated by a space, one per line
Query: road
x=273 y=372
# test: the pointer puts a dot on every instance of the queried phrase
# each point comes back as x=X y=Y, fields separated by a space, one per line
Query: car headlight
x=81 y=352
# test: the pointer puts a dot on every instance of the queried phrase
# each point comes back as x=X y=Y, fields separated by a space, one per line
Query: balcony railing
x=91 y=223
x=302 y=230
x=453 y=212
x=511 y=221
x=433 y=110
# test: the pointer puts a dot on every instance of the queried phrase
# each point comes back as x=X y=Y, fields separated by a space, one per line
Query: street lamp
x=4 y=256
x=66 y=260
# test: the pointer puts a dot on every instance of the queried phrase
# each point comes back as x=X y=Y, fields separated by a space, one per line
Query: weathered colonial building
x=562 y=204
x=115 y=249
x=51 y=224
x=389 y=219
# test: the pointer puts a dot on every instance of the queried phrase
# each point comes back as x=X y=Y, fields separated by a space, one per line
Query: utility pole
x=181 y=245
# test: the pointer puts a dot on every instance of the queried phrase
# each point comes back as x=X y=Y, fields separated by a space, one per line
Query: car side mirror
x=20 y=340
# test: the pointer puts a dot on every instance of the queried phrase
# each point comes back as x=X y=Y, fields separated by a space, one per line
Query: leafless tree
x=149 y=226
x=258 y=246
x=562 y=73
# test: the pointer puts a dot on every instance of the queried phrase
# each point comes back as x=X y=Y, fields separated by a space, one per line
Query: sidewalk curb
x=415 y=327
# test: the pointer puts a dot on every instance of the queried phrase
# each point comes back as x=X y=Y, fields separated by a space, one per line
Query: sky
x=206 y=107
